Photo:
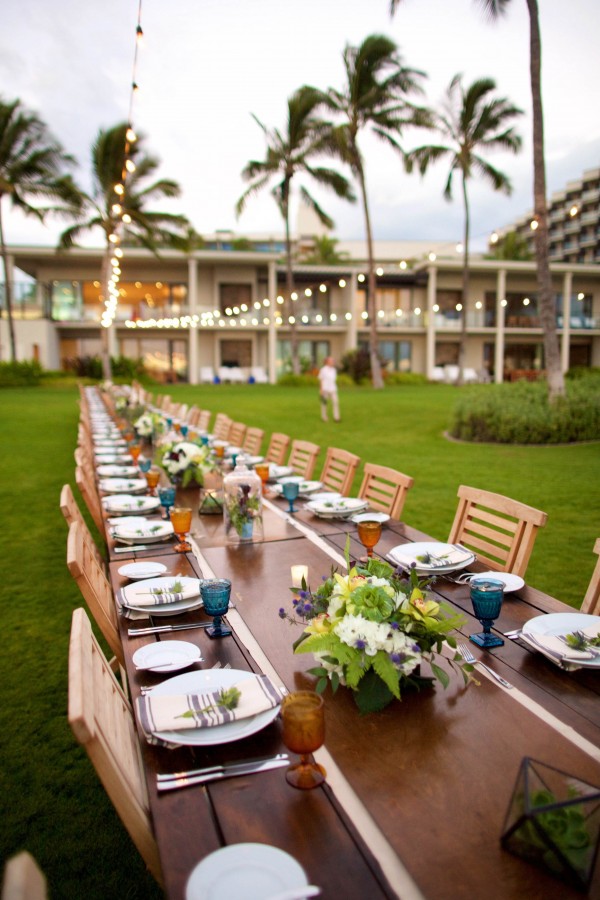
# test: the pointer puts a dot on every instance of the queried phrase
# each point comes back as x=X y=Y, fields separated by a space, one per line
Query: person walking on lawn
x=328 y=389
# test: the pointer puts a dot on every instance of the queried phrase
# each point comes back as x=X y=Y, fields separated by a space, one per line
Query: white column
x=566 y=335
x=192 y=296
x=272 y=339
x=430 y=333
x=499 y=350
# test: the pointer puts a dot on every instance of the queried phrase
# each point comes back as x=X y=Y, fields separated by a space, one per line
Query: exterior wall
x=35 y=339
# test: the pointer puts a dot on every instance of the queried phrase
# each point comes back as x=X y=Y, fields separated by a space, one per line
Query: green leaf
x=372 y=694
x=387 y=672
x=441 y=675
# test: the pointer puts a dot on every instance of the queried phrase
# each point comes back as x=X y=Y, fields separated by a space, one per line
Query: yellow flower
x=422 y=605
x=319 y=625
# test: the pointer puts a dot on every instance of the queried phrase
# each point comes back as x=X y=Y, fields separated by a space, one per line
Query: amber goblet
x=181 y=520
x=369 y=533
x=135 y=450
x=263 y=470
x=152 y=479
x=303 y=717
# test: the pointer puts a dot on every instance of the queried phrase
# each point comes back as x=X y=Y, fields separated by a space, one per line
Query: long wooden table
x=418 y=792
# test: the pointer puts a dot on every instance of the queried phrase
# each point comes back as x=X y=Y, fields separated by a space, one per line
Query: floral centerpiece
x=371 y=629
x=186 y=463
x=149 y=425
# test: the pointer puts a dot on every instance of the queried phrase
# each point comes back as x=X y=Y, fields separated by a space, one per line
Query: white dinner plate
x=166 y=656
x=406 y=554
x=109 y=442
x=122 y=485
x=212 y=680
x=127 y=504
x=106 y=458
x=325 y=496
x=122 y=471
x=511 y=582
x=305 y=488
x=142 y=569
x=340 y=506
x=253 y=460
x=276 y=472
x=556 y=624
x=244 y=872
x=190 y=585
x=148 y=532
x=370 y=517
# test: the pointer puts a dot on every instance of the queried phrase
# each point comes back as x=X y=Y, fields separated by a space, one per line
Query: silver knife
x=216 y=773
x=132 y=548
x=158 y=629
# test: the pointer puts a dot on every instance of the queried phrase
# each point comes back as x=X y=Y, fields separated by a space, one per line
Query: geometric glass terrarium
x=554 y=821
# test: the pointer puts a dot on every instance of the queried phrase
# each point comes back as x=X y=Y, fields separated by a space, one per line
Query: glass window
x=67 y=303
x=396 y=355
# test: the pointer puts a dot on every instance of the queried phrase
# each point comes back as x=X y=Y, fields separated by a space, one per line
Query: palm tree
x=471 y=121
x=554 y=374
x=374 y=96
x=325 y=252
x=104 y=209
x=512 y=246
x=289 y=154
x=32 y=169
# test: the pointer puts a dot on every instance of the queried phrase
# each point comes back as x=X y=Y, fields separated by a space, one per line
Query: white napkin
x=166 y=712
x=558 y=647
x=136 y=595
x=129 y=531
x=446 y=557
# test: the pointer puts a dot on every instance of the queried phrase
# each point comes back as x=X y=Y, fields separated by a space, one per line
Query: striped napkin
x=448 y=556
x=166 y=712
x=136 y=595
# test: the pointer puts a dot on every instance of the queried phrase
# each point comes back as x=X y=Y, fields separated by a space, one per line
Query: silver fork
x=468 y=657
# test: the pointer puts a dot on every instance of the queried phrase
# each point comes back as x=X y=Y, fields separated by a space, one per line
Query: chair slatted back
x=23 y=879
x=221 y=427
x=192 y=416
x=72 y=513
x=102 y=721
x=237 y=433
x=339 y=470
x=499 y=530
x=591 y=601
x=303 y=458
x=94 y=585
x=278 y=448
x=89 y=493
x=385 y=489
x=203 y=420
x=253 y=440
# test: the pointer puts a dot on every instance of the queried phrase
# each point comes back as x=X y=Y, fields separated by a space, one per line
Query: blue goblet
x=290 y=491
x=204 y=440
x=166 y=495
x=184 y=430
x=215 y=593
x=487 y=595
x=144 y=464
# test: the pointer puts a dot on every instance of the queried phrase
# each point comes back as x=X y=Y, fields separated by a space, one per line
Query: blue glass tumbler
x=487 y=595
x=184 y=430
x=166 y=495
x=290 y=491
x=144 y=464
x=215 y=594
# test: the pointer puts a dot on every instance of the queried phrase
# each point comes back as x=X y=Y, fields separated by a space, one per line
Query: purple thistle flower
x=394 y=626
x=360 y=644
x=323 y=577
x=303 y=595
x=282 y=613
x=398 y=658
x=415 y=648
x=307 y=607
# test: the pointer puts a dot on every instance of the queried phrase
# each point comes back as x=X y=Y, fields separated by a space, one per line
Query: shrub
x=290 y=380
x=404 y=378
x=521 y=413
x=20 y=374
x=91 y=367
x=357 y=364
x=582 y=372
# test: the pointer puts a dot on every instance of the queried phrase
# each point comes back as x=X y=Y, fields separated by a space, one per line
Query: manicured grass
x=53 y=804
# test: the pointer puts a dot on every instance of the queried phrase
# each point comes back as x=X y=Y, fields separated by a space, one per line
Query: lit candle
x=298 y=573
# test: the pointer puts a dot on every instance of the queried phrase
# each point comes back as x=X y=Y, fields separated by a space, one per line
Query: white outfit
x=328 y=391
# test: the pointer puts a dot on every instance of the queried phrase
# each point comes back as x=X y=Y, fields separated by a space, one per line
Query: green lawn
x=52 y=802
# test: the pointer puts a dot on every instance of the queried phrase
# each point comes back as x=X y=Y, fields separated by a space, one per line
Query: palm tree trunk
x=7 y=291
x=376 y=376
x=462 y=348
x=554 y=374
x=289 y=282
x=105 y=352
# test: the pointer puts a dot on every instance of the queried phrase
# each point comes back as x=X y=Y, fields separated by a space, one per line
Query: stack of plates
x=276 y=472
x=190 y=587
x=545 y=634
x=336 y=507
x=431 y=557
x=128 y=505
x=116 y=470
x=123 y=485
x=146 y=532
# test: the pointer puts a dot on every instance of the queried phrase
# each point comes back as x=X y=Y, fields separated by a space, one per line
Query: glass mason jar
x=242 y=504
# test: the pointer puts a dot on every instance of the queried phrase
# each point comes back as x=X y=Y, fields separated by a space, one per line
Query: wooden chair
x=72 y=513
x=94 y=586
x=102 y=721
x=499 y=530
x=89 y=493
x=192 y=416
x=591 y=601
x=278 y=448
x=237 y=433
x=23 y=879
x=221 y=427
x=385 y=489
x=203 y=420
x=303 y=458
x=339 y=470
x=253 y=441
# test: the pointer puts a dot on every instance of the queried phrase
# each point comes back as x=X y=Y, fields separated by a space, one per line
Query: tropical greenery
x=374 y=98
x=471 y=121
x=289 y=154
x=117 y=205
x=512 y=246
x=33 y=168
x=325 y=252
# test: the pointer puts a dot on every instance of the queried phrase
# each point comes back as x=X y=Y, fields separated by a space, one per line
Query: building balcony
x=590 y=217
x=590 y=196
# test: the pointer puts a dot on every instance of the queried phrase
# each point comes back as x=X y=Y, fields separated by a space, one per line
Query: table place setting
x=142 y=570
x=431 y=557
x=166 y=656
x=305 y=488
x=123 y=485
x=149 y=531
x=569 y=640
x=208 y=707
x=163 y=596
x=336 y=507
x=128 y=504
x=114 y=470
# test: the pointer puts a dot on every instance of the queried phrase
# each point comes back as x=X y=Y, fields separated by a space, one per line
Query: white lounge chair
x=207 y=375
x=259 y=375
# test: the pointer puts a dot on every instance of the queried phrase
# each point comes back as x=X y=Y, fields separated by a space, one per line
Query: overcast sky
x=206 y=65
